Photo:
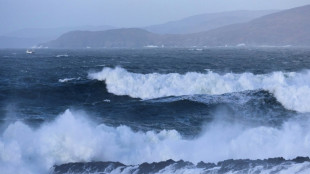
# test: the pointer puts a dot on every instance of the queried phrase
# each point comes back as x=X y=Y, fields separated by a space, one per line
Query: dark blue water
x=248 y=94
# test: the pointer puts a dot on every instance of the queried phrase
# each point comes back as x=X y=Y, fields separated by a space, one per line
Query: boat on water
x=30 y=51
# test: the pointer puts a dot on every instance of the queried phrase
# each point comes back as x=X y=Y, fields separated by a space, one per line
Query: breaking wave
x=291 y=89
x=72 y=137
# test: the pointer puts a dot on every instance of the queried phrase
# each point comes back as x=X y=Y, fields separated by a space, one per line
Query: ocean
x=160 y=110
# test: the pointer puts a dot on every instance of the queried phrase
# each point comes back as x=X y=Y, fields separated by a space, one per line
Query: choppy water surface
x=69 y=108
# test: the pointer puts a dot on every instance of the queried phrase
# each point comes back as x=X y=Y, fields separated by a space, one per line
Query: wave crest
x=291 y=89
x=73 y=138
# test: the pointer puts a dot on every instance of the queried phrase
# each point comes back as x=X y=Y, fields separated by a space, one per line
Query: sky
x=19 y=14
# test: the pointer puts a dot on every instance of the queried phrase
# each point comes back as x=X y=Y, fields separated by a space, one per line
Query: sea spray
x=73 y=138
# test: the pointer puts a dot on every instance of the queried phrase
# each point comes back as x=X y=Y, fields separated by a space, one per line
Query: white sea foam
x=291 y=89
x=107 y=100
x=73 y=138
x=68 y=79
x=62 y=55
x=302 y=168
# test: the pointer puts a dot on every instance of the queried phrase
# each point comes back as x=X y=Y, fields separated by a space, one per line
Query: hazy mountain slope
x=51 y=33
x=131 y=37
x=29 y=37
x=206 y=22
x=289 y=27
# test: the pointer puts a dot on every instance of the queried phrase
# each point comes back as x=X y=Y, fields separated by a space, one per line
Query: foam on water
x=68 y=79
x=73 y=138
x=62 y=55
x=291 y=89
x=271 y=165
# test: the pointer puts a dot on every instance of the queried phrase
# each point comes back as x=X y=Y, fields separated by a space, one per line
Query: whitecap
x=68 y=79
x=62 y=55
x=74 y=138
x=292 y=89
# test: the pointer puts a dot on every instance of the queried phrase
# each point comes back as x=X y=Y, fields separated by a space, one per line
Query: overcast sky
x=18 y=14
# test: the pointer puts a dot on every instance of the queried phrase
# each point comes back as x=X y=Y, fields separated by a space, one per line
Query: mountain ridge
x=288 y=27
x=206 y=21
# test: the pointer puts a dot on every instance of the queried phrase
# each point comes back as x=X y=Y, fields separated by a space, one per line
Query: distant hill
x=288 y=27
x=205 y=22
x=52 y=33
x=28 y=37
x=130 y=37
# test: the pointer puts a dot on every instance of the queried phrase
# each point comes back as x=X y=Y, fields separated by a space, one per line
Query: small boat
x=30 y=52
